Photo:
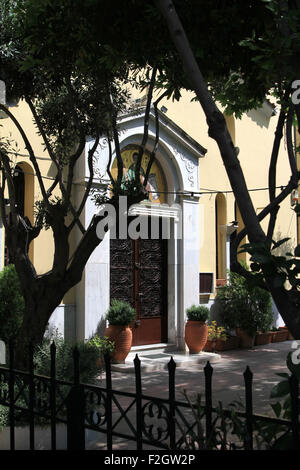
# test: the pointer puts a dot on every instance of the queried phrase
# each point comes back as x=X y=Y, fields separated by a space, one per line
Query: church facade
x=189 y=218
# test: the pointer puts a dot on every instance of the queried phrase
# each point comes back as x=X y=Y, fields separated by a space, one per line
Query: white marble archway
x=178 y=155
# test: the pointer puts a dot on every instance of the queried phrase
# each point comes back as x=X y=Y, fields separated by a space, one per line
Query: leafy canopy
x=241 y=47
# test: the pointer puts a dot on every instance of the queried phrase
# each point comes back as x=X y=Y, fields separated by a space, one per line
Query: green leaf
x=287 y=404
x=297 y=250
x=279 y=280
x=297 y=208
x=279 y=243
x=280 y=390
x=284 y=442
x=276 y=408
x=283 y=374
x=260 y=258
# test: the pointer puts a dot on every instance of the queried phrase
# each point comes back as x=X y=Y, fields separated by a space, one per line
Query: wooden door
x=138 y=275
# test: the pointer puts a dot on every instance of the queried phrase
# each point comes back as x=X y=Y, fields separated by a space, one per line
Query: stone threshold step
x=153 y=360
x=153 y=347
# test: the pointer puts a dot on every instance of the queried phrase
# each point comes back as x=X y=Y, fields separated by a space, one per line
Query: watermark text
x=140 y=221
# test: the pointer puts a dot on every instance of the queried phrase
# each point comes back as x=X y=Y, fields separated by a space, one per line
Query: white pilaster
x=189 y=261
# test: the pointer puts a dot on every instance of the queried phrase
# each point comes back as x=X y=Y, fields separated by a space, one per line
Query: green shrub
x=120 y=313
x=229 y=430
x=89 y=354
x=89 y=368
x=11 y=303
x=4 y=416
x=248 y=308
x=197 y=313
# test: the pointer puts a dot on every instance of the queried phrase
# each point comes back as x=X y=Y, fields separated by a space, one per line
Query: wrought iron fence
x=161 y=423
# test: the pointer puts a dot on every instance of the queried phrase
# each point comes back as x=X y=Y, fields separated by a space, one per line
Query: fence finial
x=137 y=360
x=171 y=365
x=248 y=373
x=208 y=369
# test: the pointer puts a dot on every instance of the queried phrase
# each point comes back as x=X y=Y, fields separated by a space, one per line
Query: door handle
x=137 y=323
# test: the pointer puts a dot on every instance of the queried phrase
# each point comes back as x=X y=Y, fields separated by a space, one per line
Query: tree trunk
x=287 y=302
x=39 y=307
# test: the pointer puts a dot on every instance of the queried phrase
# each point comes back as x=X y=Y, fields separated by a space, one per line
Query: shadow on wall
x=215 y=312
x=101 y=327
x=262 y=115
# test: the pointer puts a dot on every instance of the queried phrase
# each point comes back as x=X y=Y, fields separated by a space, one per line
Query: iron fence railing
x=164 y=423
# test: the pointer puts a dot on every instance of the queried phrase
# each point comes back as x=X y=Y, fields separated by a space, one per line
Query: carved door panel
x=152 y=292
x=121 y=272
x=139 y=276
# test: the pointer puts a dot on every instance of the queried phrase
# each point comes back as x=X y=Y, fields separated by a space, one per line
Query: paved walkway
x=228 y=382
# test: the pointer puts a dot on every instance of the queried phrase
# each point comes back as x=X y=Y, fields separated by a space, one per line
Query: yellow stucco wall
x=43 y=247
x=254 y=135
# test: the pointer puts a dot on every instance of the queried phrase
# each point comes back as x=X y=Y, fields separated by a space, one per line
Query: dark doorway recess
x=138 y=275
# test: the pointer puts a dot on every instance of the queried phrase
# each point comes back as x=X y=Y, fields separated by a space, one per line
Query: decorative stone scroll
x=189 y=166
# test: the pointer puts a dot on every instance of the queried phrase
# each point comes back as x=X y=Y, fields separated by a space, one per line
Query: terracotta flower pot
x=231 y=343
x=121 y=335
x=286 y=331
x=195 y=335
x=281 y=335
x=290 y=336
x=210 y=345
x=246 y=341
x=263 y=338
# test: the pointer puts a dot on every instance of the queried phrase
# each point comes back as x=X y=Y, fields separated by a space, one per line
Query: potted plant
x=103 y=345
x=263 y=338
x=215 y=335
x=288 y=334
x=196 y=328
x=231 y=342
x=119 y=316
x=220 y=282
x=279 y=334
x=245 y=308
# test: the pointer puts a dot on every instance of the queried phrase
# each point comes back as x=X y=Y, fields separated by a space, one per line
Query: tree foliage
x=244 y=306
x=55 y=56
x=271 y=52
x=73 y=61
x=11 y=304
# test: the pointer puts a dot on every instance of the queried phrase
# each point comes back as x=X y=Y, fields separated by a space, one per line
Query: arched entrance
x=139 y=267
x=178 y=257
